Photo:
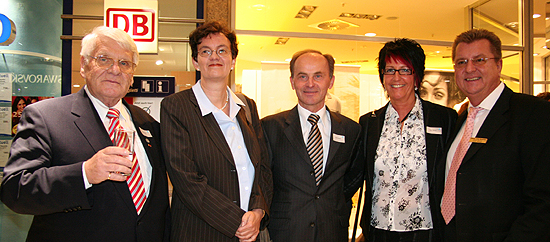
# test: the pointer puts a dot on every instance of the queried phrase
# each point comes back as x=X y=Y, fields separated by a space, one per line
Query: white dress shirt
x=324 y=127
x=231 y=130
x=487 y=104
x=126 y=123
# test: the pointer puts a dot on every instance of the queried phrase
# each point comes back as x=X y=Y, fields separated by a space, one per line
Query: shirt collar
x=207 y=107
x=415 y=112
x=304 y=114
x=491 y=99
x=102 y=109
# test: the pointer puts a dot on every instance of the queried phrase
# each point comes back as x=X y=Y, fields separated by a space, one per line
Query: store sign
x=137 y=18
x=7 y=35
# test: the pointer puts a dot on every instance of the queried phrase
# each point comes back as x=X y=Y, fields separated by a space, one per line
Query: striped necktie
x=315 y=147
x=135 y=180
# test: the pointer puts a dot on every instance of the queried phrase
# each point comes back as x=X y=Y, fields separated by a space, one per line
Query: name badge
x=478 y=140
x=339 y=138
x=145 y=133
x=434 y=130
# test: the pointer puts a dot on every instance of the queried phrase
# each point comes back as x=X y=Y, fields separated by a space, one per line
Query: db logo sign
x=139 y=23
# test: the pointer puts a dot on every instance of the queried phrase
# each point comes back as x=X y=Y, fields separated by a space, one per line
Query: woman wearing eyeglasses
x=214 y=149
x=401 y=143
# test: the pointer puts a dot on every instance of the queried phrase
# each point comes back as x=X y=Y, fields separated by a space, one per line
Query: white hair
x=89 y=42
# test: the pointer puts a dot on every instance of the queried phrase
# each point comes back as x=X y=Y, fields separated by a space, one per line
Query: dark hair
x=407 y=51
x=16 y=101
x=329 y=58
x=479 y=34
x=208 y=28
x=544 y=95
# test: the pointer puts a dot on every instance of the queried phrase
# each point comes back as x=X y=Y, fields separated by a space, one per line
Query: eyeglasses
x=107 y=62
x=478 y=61
x=401 y=71
x=222 y=52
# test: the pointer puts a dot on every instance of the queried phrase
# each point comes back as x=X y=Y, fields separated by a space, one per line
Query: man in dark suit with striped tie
x=310 y=153
x=64 y=169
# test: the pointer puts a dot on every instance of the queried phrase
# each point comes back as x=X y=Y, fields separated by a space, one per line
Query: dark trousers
x=380 y=235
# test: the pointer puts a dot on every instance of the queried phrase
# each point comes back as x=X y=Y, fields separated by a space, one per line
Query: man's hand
x=250 y=226
x=110 y=163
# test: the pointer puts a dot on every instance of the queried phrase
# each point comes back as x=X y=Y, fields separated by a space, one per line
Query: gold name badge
x=478 y=140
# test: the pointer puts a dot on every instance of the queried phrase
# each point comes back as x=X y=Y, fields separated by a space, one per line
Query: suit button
x=235 y=202
x=312 y=225
x=316 y=196
x=312 y=173
x=233 y=170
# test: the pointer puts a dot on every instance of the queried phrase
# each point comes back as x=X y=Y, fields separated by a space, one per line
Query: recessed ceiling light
x=288 y=60
x=258 y=7
x=547 y=18
x=370 y=34
x=535 y=54
x=281 y=41
x=159 y=62
x=305 y=11
x=536 y=15
x=392 y=18
x=76 y=85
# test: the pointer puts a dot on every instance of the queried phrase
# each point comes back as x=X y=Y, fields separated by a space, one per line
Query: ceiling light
x=535 y=54
x=512 y=25
x=281 y=41
x=536 y=15
x=335 y=24
x=288 y=60
x=360 y=16
x=76 y=85
x=305 y=12
x=370 y=34
x=159 y=62
x=547 y=18
x=258 y=7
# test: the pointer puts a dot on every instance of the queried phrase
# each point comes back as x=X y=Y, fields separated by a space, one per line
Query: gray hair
x=89 y=42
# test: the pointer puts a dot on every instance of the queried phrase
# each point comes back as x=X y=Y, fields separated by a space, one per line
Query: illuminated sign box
x=152 y=86
x=138 y=18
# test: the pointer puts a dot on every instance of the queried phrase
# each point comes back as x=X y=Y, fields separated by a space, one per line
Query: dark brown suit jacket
x=206 y=198
x=43 y=176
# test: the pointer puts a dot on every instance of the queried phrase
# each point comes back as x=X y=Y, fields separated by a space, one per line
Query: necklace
x=225 y=105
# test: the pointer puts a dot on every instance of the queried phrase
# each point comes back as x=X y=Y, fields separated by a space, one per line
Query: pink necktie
x=449 y=199
x=135 y=181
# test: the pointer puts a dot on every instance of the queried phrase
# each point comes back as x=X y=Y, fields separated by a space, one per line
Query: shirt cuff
x=85 y=178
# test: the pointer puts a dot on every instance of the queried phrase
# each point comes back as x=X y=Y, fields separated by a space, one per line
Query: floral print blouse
x=400 y=199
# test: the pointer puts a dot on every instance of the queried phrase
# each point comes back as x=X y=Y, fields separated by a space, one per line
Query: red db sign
x=139 y=23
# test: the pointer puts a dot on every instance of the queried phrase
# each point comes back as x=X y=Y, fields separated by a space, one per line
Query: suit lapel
x=293 y=133
x=211 y=126
x=338 y=129
x=88 y=122
x=496 y=118
x=374 y=130
x=431 y=119
x=249 y=136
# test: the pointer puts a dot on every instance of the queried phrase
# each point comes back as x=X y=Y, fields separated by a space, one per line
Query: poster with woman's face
x=18 y=104
x=440 y=87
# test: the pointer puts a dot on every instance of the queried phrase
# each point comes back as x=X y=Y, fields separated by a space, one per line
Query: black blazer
x=206 y=198
x=372 y=123
x=503 y=185
x=302 y=211
x=43 y=176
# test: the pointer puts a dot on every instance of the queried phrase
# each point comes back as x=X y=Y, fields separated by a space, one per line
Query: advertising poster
x=18 y=104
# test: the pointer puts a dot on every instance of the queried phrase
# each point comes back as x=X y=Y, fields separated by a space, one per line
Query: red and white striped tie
x=135 y=181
